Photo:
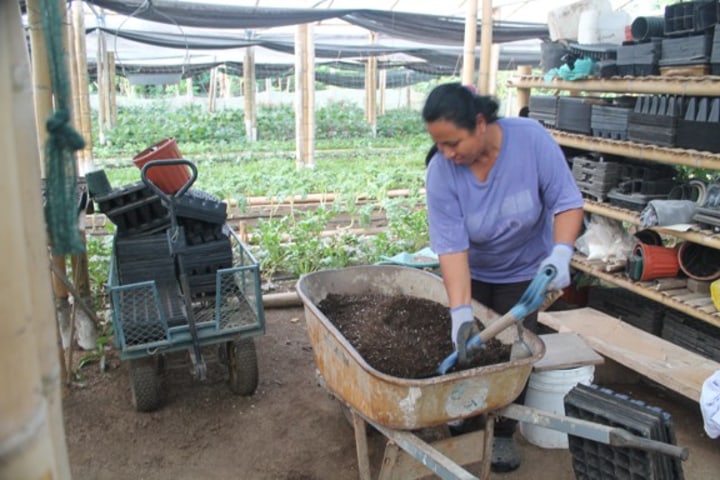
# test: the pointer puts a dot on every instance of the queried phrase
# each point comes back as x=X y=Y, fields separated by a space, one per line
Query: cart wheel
x=145 y=384
x=242 y=366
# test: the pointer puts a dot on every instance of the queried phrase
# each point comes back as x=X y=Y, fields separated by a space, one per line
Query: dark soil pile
x=402 y=336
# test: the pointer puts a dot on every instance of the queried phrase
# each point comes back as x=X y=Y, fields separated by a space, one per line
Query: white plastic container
x=546 y=391
x=563 y=21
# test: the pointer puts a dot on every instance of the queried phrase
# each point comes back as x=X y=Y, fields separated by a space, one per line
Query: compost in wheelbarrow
x=400 y=335
x=397 y=402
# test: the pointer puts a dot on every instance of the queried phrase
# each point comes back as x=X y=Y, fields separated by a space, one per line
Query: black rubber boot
x=505 y=455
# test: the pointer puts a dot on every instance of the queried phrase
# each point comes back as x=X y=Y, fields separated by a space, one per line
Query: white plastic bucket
x=546 y=391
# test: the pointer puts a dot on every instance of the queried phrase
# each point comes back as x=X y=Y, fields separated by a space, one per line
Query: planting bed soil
x=402 y=336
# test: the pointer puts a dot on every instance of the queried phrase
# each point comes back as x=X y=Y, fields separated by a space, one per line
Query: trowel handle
x=530 y=301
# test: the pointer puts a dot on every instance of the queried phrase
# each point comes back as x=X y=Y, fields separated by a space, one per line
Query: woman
x=502 y=203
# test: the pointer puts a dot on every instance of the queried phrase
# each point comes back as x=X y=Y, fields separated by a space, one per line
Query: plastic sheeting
x=411 y=26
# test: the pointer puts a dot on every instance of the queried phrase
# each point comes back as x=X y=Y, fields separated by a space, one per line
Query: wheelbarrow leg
x=361 y=446
x=488 y=436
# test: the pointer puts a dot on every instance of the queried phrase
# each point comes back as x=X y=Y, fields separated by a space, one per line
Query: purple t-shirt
x=506 y=222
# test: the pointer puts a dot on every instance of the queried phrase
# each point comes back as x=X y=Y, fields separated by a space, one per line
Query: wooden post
x=486 y=40
x=249 y=90
x=523 y=94
x=32 y=438
x=468 y=71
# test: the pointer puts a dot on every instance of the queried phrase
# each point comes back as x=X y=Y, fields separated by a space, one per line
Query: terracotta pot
x=657 y=261
x=168 y=178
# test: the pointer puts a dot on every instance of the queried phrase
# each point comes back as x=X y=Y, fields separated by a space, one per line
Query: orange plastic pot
x=657 y=261
x=168 y=178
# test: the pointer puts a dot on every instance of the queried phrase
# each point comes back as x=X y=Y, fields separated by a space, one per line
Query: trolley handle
x=167 y=198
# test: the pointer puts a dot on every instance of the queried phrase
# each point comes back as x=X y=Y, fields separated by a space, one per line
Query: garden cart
x=401 y=407
x=181 y=279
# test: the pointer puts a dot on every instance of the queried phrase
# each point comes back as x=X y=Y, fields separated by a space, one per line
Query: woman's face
x=459 y=145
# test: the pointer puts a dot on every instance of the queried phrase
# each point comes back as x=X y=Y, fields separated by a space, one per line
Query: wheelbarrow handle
x=531 y=300
x=167 y=198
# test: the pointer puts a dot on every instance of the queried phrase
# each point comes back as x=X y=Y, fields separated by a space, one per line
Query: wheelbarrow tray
x=403 y=403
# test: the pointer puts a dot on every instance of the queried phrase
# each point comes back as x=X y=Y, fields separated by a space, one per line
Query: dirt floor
x=290 y=429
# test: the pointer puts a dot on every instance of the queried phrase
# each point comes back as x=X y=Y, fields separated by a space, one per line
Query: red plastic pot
x=657 y=261
x=168 y=178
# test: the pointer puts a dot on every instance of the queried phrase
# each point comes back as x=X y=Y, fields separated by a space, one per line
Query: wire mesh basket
x=151 y=315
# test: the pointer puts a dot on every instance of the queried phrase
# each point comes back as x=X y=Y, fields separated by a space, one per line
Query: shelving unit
x=697 y=305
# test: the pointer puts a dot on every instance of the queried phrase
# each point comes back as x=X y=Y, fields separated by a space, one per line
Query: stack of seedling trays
x=134 y=209
x=206 y=248
x=654 y=120
x=692 y=334
x=596 y=461
x=715 y=53
x=709 y=213
x=611 y=121
x=574 y=113
x=142 y=254
x=543 y=108
x=699 y=128
x=640 y=59
x=686 y=18
x=629 y=307
x=596 y=51
x=595 y=176
x=147 y=259
x=640 y=182
x=686 y=51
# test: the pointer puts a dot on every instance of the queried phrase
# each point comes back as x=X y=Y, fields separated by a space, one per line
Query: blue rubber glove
x=560 y=259
x=463 y=327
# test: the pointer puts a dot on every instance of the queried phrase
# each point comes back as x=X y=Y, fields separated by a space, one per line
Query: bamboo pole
x=189 y=86
x=523 y=94
x=83 y=111
x=486 y=41
x=100 y=64
x=32 y=439
x=249 y=89
x=371 y=78
x=304 y=98
x=494 y=66
x=112 y=97
x=212 y=90
x=468 y=71
x=383 y=88
x=310 y=101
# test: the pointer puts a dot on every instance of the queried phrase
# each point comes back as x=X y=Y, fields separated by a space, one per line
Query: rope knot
x=58 y=125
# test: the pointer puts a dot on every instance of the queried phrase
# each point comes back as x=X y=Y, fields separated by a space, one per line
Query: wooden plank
x=566 y=350
x=664 y=362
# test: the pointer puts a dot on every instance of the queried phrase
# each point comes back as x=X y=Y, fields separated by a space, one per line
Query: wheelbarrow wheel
x=145 y=384
x=242 y=366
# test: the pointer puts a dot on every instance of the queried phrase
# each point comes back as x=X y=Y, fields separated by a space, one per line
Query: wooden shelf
x=643 y=151
x=702 y=237
x=668 y=364
x=669 y=85
x=682 y=300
